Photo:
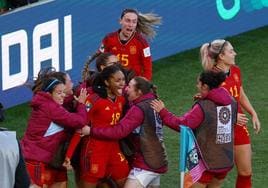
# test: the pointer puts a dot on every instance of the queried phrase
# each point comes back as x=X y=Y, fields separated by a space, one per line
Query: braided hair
x=86 y=72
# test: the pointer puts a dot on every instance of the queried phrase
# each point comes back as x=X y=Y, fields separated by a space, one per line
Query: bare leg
x=121 y=183
x=215 y=183
x=59 y=185
x=84 y=184
x=36 y=186
x=153 y=186
x=130 y=183
x=110 y=183
x=198 y=185
x=243 y=159
x=243 y=164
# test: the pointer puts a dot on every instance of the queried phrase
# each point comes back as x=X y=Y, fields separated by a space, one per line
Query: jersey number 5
x=123 y=58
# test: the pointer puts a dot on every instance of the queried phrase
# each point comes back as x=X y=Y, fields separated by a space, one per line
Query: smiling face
x=115 y=84
x=227 y=57
x=58 y=93
x=132 y=92
x=203 y=89
x=128 y=25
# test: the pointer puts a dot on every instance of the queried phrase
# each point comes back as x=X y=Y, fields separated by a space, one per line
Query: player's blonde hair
x=209 y=52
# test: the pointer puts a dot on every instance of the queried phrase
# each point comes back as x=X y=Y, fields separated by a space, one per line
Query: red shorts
x=241 y=135
x=97 y=162
x=41 y=174
x=207 y=176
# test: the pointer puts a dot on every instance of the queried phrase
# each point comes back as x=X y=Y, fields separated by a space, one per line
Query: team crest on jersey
x=107 y=108
x=114 y=48
x=132 y=50
x=94 y=168
x=236 y=78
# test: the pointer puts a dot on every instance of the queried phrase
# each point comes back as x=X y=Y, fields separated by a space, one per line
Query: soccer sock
x=243 y=181
x=73 y=144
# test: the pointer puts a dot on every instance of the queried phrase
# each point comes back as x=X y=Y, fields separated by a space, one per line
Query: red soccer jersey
x=101 y=112
x=233 y=83
x=104 y=112
x=134 y=55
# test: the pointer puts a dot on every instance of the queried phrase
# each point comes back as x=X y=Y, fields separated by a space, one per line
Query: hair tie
x=221 y=48
x=51 y=85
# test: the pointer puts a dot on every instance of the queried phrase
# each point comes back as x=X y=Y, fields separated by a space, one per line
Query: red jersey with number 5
x=134 y=54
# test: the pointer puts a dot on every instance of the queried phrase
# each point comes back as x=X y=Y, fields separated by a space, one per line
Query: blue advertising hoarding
x=63 y=34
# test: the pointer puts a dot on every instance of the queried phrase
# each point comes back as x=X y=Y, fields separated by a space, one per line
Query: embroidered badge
x=94 y=168
x=236 y=78
x=132 y=50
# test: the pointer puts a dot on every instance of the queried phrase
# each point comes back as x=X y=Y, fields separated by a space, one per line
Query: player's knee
x=245 y=172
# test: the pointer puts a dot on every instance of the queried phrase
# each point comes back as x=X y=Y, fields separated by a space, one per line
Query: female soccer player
x=128 y=43
x=150 y=158
x=100 y=157
x=219 y=55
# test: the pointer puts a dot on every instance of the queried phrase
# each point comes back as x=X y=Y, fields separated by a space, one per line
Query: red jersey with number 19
x=134 y=54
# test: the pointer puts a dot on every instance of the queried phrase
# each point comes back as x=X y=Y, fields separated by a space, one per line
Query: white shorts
x=144 y=177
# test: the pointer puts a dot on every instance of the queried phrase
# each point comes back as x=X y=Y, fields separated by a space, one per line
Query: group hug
x=109 y=128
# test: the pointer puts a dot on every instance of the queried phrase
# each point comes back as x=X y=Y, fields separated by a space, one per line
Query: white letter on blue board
x=52 y=52
x=68 y=43
x=17 y=79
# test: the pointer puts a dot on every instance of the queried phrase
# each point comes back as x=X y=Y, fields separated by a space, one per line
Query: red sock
x=73 y=144
x=243 y=181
